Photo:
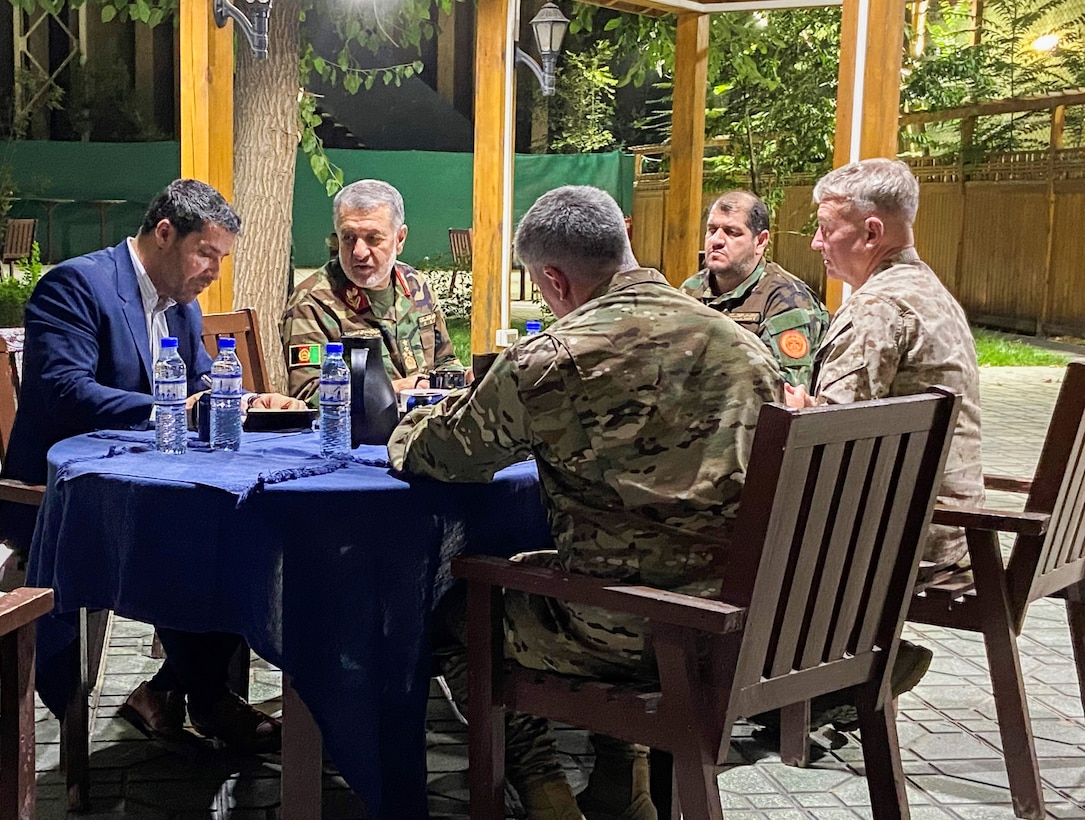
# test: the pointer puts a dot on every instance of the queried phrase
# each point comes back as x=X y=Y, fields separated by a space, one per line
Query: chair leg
x=881 y=753
x=75 y=728
x=17 y=784
x=795 y=734
x=1011 y=706
x=661 y=784
x=485 y=710
x=1075 y=616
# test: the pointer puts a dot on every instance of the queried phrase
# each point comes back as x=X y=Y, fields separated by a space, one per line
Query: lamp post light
x=256 y=31
x=549 y=26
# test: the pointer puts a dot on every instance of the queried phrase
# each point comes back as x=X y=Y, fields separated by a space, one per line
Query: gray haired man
x=639 y=406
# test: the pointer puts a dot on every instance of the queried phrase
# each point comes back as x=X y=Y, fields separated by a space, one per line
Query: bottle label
x=226 y=385
x=334 y=392
x=170 y=392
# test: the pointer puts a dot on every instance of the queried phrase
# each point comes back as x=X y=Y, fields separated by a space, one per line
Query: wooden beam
x=207 y=119
x=682 y=215
x=491 y=255
x=1010 y=105
x=868 y=96
x=446 y=54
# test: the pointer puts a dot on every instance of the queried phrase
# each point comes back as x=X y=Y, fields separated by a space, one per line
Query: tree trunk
x=265 y=151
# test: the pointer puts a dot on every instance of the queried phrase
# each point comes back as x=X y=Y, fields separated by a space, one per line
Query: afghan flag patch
x=301 y=355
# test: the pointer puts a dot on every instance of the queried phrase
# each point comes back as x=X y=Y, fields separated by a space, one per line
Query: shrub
x=16 y=290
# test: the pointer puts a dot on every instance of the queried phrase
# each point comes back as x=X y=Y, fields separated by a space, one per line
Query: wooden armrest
x=19 y=492
x=658 y=605
x=1007 y=484
x=980 y=518
x=21 y=606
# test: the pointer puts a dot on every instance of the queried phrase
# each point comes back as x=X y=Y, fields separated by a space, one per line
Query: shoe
x=618 y=788
x=157 y=713
x=232 y=721
x=912 y=664
x=550 y=800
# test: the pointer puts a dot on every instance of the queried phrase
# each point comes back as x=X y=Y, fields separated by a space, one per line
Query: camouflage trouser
x=537 y=635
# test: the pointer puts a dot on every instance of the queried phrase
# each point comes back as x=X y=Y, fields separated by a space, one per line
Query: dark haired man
x=94 y=326
x=737 y=280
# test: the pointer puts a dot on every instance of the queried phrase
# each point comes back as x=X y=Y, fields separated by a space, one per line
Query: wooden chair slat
x=1063 y=539
x=882 y=459
x=792 y=627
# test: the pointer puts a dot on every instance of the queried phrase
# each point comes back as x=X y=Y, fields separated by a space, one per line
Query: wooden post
x=1058 y=124
x=207 y=119
x=868 y=96
x=682 y=215
x=491 y=252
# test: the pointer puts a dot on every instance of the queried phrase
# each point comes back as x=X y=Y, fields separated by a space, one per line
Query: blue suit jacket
x=87 y=363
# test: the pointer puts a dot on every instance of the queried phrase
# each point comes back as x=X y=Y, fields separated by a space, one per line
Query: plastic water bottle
x=226 y=398
x=334 y=403
x=170 y=391
x=533 y=326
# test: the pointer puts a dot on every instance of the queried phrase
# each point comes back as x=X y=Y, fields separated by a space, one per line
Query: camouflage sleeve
x=442 y=346
x=793 y=336
x=470 y=435
x=863 y=358
x=305 y=330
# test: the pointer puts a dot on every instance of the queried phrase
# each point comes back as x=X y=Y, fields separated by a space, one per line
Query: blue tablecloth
x=328 y=569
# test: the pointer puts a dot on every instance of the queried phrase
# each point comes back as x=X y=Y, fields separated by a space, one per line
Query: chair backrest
x=832 y=520
x=1042 y=565
x=9 y=395
x=19 y=239
x=459 y=240
x=243 y=326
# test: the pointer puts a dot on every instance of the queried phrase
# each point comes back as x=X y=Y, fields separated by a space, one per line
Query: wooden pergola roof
x=872 y=33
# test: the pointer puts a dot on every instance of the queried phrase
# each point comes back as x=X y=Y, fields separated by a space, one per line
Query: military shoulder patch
x=427 y=319
x=793 y=344
x=303 y=355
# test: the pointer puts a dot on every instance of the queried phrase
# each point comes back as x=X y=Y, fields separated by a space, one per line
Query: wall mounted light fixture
x=256 y=31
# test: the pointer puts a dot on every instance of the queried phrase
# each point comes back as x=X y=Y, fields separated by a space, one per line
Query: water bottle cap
x=331 y=348
x=227 y=343
x=169 y=341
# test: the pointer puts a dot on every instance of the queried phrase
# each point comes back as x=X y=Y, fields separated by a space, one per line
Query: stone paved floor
x=950 y=741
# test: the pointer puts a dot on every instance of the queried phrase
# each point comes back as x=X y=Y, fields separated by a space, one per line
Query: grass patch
x=992 y=349
x=995 y=350
x=459 y=330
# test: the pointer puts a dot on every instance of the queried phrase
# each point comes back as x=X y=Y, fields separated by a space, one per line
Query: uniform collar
x=905 y=256
x=357 y=298
x=739 y=292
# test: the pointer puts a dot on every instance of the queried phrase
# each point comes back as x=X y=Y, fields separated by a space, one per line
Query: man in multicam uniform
x=639 y=406
x=900 y=332
x=760 y=295
x=366 y=288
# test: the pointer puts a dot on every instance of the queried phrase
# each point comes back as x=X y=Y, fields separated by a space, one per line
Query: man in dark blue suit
x=94 y=326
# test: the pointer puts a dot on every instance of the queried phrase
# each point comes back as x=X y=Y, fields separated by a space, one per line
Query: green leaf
x=319 y=166
x=108 y=13
x=332 y=186
x=369 y=78
x=612 y=24
x=319 y=64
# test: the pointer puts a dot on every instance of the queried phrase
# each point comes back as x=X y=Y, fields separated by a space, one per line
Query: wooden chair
x=18 y=242
x=1047 y=559
x=9 y=395
x=459 y=241
x=243 y=326
x=18 y=612
x=826 y=548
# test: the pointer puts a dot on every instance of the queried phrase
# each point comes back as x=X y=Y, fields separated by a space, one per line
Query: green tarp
x=436 y=189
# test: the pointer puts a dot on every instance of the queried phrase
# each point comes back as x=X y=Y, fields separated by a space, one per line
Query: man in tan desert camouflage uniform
x=639 y=406
x=900 y=331
x=366 y=288
x=760 y=295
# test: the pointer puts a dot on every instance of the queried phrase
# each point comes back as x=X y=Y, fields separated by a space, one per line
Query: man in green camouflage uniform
x=760 y=295
x=639 y=406
x=366 y=288
x=900 y=332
